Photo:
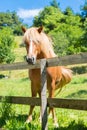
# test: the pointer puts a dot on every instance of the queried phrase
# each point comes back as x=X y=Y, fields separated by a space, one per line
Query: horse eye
x=24 y=45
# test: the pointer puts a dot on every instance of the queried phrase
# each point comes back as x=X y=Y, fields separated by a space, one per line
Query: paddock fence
x=44 y=102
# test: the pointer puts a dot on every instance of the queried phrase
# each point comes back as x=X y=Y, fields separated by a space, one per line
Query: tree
x=66 y=29
x=84 y=9
x=6 y=46
x=60 y=42
x=83 y=38
x=54 y=4
x=49 y=17
x=68 y=11
x=10 y=19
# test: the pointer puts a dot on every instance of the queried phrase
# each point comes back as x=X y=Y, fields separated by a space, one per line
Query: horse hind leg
x=51 y=109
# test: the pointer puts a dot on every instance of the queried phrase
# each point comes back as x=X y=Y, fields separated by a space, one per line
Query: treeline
x=11 y=20
x=67 y=29
x=10 y=26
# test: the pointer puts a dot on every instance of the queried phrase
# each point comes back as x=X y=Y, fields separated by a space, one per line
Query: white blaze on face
x=31 y=47
x=31 y=57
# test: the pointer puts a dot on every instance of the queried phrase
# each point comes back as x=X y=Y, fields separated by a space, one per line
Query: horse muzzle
x=31 y=60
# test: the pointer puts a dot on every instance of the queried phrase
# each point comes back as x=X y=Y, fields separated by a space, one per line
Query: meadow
x=16 y=83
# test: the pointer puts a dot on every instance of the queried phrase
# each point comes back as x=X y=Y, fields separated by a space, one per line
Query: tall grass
x=6 y=111
x=68 y=120
x=13 y=117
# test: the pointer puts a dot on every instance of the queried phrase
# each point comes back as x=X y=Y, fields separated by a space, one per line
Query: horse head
x=32 y=40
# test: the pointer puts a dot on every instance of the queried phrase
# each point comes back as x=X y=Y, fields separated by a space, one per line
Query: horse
x=38 y=46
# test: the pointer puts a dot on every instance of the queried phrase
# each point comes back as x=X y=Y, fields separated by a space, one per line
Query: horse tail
x=65 y=79
x=66 y=75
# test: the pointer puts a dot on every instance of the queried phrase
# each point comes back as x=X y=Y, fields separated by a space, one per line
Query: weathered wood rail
x=78 y=104
x=57 y=61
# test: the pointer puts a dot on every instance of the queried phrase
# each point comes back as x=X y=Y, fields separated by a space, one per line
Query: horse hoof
x=50 y=116
x=40 y=119
x=28 y=121
x=56 y=125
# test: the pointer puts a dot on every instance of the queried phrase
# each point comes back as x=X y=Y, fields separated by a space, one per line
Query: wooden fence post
x=43 y=95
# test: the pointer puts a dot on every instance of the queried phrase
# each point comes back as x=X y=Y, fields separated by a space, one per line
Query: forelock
x=33 y=34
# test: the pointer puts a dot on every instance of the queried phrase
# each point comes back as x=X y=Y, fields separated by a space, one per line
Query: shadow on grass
x=3 y=76
x=79 y=69
x=84 y=81
x=20 y=125
x=80 y=93
x=20 y=118
x=80 y=81
x=73 y=126
x=24 y=79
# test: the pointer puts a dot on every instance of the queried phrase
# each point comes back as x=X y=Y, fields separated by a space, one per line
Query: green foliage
x=54 y=4
x=68 y=11
x=83 y=39
x=17 y=114
x=48 y=18
x=6 y=45
x=10 y=19
x=84 y=10
x=67 y=30
x=6 y=111
x=60 y=43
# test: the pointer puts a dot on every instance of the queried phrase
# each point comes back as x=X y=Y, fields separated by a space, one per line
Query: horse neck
x=48 y=53
x=46 y=47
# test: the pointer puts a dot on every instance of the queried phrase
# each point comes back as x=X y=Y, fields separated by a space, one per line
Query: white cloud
x=24 y=13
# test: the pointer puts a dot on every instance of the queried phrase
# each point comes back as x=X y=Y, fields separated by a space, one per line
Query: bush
x=6 y=112
x=6 y=45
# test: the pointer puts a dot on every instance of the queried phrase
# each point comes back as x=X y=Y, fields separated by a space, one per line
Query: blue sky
x=27 y=9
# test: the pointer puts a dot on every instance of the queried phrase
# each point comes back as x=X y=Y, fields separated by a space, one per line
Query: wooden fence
x=78 y=104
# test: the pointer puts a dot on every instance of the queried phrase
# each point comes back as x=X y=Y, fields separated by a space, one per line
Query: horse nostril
x=31 y=60
x=28 y=60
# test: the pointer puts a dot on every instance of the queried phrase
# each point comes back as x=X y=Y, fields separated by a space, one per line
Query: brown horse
x=39 y=46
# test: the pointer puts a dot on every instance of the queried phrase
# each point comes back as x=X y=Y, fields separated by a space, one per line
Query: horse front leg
x=34 y=93
x=51 y=109
x=29 y=119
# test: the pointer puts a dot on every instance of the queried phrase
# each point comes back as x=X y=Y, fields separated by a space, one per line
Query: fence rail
x=57 y=61
x=77 y=104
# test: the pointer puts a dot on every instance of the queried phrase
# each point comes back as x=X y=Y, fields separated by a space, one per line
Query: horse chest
x=34 y=74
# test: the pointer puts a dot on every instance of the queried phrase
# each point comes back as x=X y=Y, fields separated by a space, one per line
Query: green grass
x=13 y=117
x=15 y=87
x=76 y=89
x=19 y=85
x=19 y=51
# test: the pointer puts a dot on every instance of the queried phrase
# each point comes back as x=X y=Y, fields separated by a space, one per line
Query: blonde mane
x=39 y=38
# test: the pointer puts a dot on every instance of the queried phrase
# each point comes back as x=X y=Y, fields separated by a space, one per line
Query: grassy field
x=12 y=117
x=19 y=85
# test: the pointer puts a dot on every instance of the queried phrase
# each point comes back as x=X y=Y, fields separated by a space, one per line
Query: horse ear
x=23 y=29
x=40 y=29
